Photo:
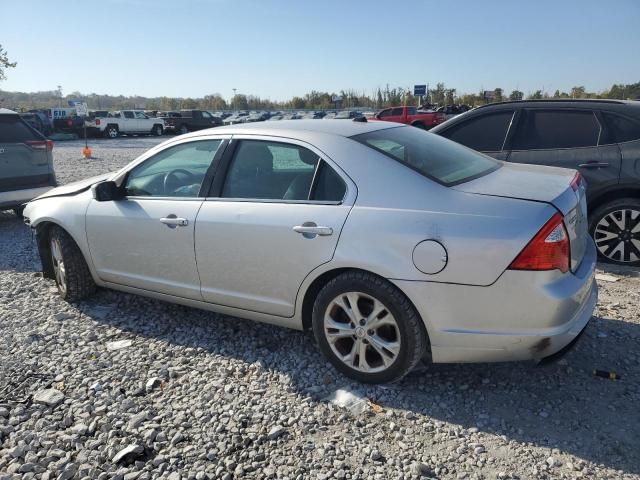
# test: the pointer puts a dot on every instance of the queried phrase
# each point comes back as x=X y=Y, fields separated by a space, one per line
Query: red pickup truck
x=410 y=116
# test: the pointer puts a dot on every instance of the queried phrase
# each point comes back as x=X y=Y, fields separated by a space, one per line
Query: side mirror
x=106 y=192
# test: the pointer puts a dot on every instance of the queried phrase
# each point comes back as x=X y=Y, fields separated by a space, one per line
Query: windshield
x=442 y=160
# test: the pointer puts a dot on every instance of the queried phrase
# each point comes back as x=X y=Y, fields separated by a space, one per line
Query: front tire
x=615 y=227
x=157 y=131
x=367 y=328
x=71 y=273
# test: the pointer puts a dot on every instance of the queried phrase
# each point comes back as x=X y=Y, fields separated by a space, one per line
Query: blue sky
x=279 y=48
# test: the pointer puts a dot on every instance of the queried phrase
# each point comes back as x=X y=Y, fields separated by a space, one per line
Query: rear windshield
x=433 y=156
x=14 y=130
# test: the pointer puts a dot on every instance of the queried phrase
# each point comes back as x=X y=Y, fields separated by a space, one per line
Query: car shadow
x=18 y=253
x=560 y=405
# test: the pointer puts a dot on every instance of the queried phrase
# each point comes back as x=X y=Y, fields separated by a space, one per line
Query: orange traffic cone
x=86 y=152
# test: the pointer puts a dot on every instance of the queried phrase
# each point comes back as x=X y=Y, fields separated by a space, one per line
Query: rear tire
x=367 y=328
x=71 y=273
x=615 y=227
x=111 y=131
x=184 y=129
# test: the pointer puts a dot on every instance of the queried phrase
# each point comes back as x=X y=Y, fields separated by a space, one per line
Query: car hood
x=526 y=182
x=75 y=187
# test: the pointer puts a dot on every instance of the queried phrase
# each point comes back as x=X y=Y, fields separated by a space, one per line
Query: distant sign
x=336 y=98
x=489 y=94
x=81 y=107
x=419 y=90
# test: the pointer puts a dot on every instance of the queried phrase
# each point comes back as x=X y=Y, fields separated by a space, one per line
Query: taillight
x=40 y=144
x=548 y=250
x=97 y=121
x=575 y=183
x=69 y=123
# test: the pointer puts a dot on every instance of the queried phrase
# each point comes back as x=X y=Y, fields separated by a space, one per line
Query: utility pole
x=233 y=100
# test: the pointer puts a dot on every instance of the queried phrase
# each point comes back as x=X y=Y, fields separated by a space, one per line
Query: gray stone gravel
x=201 y=396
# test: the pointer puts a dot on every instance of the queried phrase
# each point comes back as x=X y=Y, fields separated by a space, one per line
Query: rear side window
x=486 y=133
x=14 y=130
x=328 y=187
x=128 y=114
x=396 y=111
x=621 y=129
x=435 y=157
x=547 y=129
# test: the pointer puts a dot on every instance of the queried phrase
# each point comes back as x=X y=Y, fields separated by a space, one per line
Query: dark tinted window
x=446 y=162
x=411 y=110
x=329 y=187
x=396 y=111
x=621 y=129
x=542 y=129
x=14 y=130
x=270 y=171
x=485 y=133
x=385 y=113
x=128 y=114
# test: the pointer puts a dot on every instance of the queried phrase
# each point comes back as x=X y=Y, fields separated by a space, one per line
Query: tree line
x=381 y=98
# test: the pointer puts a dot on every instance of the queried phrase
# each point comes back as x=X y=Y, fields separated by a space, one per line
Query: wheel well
x=418 y=124
x=613 y=195
x=157 y=125
x=113 y=125
x=317 y=285
x=42 y=241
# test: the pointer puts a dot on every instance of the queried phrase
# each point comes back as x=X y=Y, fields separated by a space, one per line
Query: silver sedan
x=388 y=242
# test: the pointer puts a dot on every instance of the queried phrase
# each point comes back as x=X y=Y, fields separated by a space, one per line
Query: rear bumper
x=16 y=198
x=522 y=316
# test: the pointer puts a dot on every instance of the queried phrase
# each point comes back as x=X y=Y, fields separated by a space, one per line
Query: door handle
x=594 y=165
x=310 y=230
x=172 y=221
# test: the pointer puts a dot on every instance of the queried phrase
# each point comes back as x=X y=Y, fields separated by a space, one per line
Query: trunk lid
x=541 y=184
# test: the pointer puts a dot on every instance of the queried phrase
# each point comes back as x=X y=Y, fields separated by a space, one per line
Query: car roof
x=342 y=128
x=568 y=102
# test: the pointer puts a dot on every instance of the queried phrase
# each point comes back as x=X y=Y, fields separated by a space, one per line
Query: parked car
x=347 y=114
x=387 y=241
x=71 y=124
x=600 y=138
x=410 y=116
x=190 y=120
x=39 y=121
x=451 y=111
x=238 y=117
x=26 y=162
x=127 y=122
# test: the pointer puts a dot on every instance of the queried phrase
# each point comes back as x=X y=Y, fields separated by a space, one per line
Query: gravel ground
x=190 y=394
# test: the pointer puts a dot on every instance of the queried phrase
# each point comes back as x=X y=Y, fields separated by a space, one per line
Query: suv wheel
x=111 y=131
x=367 y=328
x=615 y=227
x=70 y=270
x=157 y=130
x=184 y=129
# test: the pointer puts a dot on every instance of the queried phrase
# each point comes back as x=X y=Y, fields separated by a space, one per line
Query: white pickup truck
x=127 y=122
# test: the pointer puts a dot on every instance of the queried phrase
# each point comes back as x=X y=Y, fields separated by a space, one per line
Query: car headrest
x=256 y=158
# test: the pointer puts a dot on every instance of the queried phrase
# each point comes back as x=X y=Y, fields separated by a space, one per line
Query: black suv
x=600 y=138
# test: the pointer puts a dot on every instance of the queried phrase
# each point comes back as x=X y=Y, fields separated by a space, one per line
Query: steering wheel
x=173 y=174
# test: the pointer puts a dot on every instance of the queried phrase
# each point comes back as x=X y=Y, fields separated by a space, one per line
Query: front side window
x=270 y=171
x=412 y=110
x=177 y=171
x=206 y=115
x=485 y=133
x=385 y=113
x=621 y=129
x=140 y=115
x=551 y=129
x=433 y=156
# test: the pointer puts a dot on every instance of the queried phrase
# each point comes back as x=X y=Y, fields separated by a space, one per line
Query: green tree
x=537 y=95
x=449 y=96
x=516 y=95
x=578 y=92
x=5 y=63
x=498 y=95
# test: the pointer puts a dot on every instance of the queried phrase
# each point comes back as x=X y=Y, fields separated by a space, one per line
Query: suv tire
x=615 y=227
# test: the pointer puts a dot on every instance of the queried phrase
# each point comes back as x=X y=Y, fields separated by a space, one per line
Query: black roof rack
x=559 y=100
